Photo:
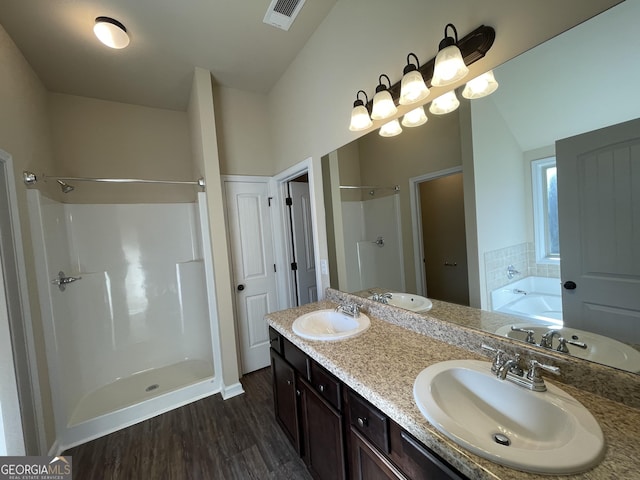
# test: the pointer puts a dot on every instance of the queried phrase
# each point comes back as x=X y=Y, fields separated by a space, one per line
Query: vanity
x=348 y=406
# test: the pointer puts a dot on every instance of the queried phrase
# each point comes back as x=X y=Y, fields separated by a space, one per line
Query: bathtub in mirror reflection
x=480 y=142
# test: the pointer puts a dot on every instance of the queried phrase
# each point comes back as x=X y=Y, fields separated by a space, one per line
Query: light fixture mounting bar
x=473 y=47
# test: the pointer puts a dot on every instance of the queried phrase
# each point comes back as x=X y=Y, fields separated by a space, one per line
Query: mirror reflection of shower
x=65 y=187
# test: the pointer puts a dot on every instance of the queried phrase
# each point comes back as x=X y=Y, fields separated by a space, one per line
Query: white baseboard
x=229 y=391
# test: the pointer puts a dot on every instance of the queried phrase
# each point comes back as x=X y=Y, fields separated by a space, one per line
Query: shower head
x=66 y=188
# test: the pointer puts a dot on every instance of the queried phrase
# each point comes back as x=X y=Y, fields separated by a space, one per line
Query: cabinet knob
x=362 y=422
x=289 y=382
x=321 y=388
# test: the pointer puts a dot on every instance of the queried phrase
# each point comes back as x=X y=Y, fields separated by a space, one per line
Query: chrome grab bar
x=62 y=280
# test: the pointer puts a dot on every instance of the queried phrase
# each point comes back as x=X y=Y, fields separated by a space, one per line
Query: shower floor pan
x=140 y=387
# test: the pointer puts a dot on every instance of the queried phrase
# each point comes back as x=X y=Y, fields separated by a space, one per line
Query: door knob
x=570 y=285
x=240 y=287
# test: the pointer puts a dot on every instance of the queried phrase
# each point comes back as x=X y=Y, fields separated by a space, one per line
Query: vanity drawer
x=326 y=385
x=296 y=358
x=416 y=460
x=369 y=421
x=275 y=340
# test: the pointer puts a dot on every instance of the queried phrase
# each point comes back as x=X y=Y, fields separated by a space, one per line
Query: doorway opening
x=295 y=233
x=300 y=238
x=437 y=202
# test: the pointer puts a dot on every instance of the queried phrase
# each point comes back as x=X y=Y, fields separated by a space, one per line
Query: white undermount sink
x=415 y=303
x=330 y=325
x=548 y=432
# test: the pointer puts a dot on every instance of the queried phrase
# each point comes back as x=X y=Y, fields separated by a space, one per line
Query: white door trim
x=416 y=221
x=34 y=377
x=283 y=250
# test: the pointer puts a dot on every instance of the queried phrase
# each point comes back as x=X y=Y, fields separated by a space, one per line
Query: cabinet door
x=285 y=398
x=323 y=438
x=369 y=464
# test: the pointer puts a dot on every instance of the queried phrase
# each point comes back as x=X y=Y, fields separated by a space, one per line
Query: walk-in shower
x=128 y=310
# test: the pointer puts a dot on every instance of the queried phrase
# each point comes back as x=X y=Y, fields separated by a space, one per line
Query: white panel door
x=303 y=242
x=599 y=213
x=252 y=254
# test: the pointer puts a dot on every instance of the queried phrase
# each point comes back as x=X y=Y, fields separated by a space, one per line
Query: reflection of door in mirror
x=599 y=208
x=444 y=239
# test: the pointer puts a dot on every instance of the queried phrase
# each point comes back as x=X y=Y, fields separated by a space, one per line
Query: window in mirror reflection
x=545 y=210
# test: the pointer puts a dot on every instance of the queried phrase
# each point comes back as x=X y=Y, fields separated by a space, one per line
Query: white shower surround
x=369 y=265
x=139 y=316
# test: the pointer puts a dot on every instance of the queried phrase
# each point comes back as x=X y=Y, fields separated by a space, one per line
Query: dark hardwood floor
x=208 y=439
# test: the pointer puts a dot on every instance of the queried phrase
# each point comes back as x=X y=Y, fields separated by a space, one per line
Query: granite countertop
x=382 y=363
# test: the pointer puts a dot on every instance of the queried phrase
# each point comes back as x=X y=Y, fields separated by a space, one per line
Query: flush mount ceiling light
x=412 y=87
x=383 y=105
x=480 y=86
x=444 y=103
x=390 y=129
x=360 y=119
x=449 y=66
x=111 y=32
x=414 y=118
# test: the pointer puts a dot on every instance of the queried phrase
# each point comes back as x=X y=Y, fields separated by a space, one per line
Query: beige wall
x=360 y=39
x=242 y=126
x=429 y=148
x=202 y=122
x=24 y=133
x=500 y=185
x=97 y=138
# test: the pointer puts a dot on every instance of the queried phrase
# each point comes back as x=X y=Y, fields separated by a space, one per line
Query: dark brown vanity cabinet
x=307 y=404
x=339 y=434
x=379 y=448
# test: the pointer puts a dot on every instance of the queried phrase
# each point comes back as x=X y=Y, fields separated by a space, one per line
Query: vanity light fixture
x=444 y=103
x=412 y=87
x=449 y=66
x=414 y=118
x=383 y=105
x=390 y=129
x=480 y=86
x=111 y=32
x=470 y=48
x=360 y=119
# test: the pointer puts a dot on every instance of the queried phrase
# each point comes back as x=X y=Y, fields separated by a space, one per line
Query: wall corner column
x=207 y=163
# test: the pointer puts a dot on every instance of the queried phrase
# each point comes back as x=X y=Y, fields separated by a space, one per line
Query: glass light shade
x=449 y=67
x=383 y=106
x=480 y=86
x=390 y=129
x=444 y=103
x=111 y=33
x=360 y=119
x=412 y=88
x=415 y=117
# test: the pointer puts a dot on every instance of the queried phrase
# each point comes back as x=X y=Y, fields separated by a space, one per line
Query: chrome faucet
x=382 y=297
x=351 y=309
x=517 y=291
x=512 y=366
x=547 y=339
x=509 y=369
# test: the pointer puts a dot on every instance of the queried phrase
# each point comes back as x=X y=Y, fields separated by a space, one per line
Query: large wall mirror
x=449 y=209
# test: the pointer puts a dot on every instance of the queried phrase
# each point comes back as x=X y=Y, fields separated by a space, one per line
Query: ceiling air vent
x=282 y=13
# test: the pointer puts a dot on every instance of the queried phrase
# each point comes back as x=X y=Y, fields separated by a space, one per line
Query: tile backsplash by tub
x=522 y=257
